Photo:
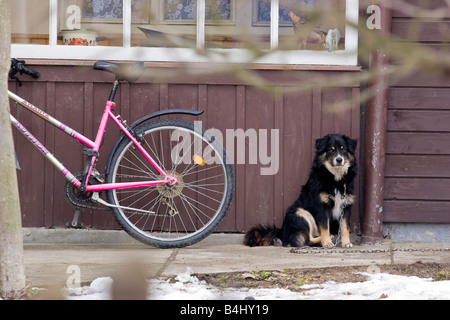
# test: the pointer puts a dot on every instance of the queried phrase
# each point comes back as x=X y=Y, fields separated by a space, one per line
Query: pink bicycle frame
x=94 y=145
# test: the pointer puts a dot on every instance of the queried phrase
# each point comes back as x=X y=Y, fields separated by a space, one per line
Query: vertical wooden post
x=376 y=138
x=12 y=271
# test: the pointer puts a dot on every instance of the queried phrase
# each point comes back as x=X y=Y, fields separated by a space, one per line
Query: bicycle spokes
x=195 y=197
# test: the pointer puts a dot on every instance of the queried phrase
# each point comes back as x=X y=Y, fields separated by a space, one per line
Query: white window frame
x=347 y=57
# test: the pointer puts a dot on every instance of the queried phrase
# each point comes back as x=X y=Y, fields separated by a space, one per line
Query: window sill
x=200 y=65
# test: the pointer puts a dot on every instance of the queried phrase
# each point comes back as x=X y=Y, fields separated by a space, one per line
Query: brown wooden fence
x=76 y=96
x=417 y=185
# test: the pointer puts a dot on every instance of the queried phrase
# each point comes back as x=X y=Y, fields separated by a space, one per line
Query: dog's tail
x=263 y=235
x=313 y=232
x=300 y=228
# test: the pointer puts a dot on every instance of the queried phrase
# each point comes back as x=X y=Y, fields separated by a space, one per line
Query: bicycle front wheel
x=164 y=215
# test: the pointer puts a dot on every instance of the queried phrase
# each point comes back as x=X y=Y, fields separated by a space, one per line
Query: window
x=179 y=30
x=90 y=23
x=30 y=26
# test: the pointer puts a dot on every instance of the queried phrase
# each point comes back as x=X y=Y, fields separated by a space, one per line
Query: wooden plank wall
x=417 y=186
x=76 y=96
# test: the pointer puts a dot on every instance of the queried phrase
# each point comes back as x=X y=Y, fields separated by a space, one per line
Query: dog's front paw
x=347 y=244
x=327 y=243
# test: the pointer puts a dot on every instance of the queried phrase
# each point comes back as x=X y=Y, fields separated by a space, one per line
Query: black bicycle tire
x=197 y=236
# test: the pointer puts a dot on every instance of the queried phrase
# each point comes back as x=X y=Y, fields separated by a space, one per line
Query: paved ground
x=52 y=255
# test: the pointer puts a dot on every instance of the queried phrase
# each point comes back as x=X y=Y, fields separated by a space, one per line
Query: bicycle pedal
x=74 y=225
x=90 y=152
x=97 y=176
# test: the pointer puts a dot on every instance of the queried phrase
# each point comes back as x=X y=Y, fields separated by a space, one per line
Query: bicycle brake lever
x=13 y=77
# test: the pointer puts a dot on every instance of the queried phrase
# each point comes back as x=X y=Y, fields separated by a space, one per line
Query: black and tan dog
x=324 y=202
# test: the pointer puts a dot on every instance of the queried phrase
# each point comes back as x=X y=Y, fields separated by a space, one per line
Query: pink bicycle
x=168 y=182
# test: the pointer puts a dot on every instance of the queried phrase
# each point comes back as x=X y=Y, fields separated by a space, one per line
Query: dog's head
x=337 y=153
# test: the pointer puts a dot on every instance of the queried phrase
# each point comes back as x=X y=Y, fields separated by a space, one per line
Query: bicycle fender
x=163 y=113
x=145 y=119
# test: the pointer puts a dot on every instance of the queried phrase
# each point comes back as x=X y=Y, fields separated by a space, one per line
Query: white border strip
x=127 y=24
x=274 y=23
x=201 y=12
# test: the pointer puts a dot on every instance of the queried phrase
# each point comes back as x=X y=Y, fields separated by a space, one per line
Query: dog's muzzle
x=338 y=161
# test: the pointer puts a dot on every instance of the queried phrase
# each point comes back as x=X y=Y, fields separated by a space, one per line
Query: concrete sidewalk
x=50 y=253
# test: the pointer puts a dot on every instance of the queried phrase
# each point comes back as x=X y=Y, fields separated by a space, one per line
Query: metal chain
x=79 y=201
x=338 y=237
x=320 y=250
x=331 y=250
x=89 y=204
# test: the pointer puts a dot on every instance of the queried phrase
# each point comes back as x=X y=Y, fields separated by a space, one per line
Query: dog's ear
x=351 y=143
x=321 y=145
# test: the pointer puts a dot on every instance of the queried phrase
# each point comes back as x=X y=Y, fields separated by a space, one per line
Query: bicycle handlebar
x=18 y=66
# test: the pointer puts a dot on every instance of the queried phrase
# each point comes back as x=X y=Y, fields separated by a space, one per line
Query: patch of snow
x=200 y=290
x=99 y=289
x=189 y=287
x=382 y=286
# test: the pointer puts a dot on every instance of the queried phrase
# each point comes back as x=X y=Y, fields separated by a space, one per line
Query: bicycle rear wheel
x=171 y=216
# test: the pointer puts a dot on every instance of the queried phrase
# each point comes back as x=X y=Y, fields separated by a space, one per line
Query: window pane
x=30 y=21
x=238 y=24
x=305 y=25
x=164 y=23
x=90 y=22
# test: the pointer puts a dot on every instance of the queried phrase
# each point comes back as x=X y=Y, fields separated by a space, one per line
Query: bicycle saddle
x=124 y=71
